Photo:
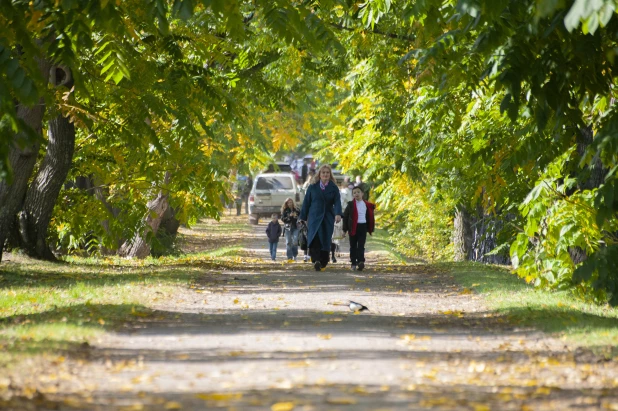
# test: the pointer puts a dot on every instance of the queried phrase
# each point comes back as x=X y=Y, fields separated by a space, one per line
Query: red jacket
x=350 y=217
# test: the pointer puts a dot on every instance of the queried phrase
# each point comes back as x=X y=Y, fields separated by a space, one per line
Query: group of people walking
x=320 y=216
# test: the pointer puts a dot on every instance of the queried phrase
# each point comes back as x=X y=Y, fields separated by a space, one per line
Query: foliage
x=477 y=103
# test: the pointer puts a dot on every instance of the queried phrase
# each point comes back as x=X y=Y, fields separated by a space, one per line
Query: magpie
x=356 y=307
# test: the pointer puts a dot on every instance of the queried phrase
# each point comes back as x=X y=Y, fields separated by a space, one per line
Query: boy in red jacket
x=358 y=220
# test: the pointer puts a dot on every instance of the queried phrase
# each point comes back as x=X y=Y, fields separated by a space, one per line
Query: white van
x=269 y=192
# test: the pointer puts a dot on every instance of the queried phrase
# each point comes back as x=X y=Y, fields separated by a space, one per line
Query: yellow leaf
x=173 y=405
x=299 y=364
x=101 y=321
x=465 y=291
x=367 y=290
x=236 y=301
x=283 y=406
x=480 y=407
x=416 y=290
x=329 y=312
x=215 y=396
x=325 y=336
x=408 y=337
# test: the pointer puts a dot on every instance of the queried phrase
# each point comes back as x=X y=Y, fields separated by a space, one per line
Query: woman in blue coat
x=321 y=209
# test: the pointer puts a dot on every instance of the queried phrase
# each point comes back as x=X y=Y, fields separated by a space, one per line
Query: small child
x=337 y=237
x=273 y=231
x=358 y=220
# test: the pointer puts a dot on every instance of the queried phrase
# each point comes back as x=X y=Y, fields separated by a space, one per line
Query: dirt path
x=263 y=335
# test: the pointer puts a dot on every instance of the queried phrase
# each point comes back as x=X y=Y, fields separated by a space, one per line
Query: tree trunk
x=43 y=192
x=139 y=246
x=22 y=158
x=595 y=171
x=462 y=239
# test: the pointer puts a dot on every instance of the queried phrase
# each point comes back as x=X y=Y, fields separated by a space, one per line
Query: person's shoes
x=361 y=266
x=334 y=259
x=317 y=266
x=353 y=267
x=306 y=258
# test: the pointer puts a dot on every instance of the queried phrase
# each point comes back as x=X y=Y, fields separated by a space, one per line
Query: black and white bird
x=357 y=307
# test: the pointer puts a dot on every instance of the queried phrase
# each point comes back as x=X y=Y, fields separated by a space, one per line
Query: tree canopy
x=499 y=110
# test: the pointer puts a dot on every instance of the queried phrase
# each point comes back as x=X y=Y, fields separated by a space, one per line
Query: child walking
x=337 y=237
x=273 y=231
x=358 y=220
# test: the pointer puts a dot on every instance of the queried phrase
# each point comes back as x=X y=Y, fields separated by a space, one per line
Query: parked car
x=278 y=167
x=269 y=192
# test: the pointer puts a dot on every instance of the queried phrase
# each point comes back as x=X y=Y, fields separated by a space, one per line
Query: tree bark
x=43 y=191
x=22 y=158
x=139 y=246
x=462 y=239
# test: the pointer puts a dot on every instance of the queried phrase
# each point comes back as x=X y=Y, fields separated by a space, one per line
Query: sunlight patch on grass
x=558 y=312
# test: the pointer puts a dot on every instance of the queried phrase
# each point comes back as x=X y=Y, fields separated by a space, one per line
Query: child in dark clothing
x=273 y=231
x=358 y=220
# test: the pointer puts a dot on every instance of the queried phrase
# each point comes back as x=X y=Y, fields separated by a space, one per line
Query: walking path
x=272 y=336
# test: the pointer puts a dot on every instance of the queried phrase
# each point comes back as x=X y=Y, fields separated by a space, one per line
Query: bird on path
x=357 y=307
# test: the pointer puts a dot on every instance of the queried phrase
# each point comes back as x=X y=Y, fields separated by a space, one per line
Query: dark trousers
x=316 y=252
x=357 y=244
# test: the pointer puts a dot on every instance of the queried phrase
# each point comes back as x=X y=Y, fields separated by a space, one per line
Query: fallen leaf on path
x=283 y=406
x=299 y=364
x=325 y=336
x=416 y=290
x=173 y=405
x=223 y=396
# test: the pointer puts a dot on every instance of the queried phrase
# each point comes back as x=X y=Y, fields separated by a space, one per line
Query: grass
x=556 y=312
x=46 y=307
x=380 y=241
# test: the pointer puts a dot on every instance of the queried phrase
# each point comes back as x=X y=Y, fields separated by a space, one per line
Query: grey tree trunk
x=139 y=246
x=43 y=191
x=462 y=240
x=22 y=158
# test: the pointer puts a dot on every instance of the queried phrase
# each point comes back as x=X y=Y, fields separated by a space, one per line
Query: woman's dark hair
x=358 y=188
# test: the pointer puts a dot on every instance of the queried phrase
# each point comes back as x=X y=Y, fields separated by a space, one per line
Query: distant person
x=321 y=209
x=358 y=220
x=309 y=180
x=346 y=192
x=273 y=231
x=289 y=216
x=246 y=191
x=304 y=170
x=364 y=186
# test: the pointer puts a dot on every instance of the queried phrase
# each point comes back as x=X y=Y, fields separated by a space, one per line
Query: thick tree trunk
x=595 y=171
x=43 y=192
x=462 y=239
x=139 y=246
x=22 y=158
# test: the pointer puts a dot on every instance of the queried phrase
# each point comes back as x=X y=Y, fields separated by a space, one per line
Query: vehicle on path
x=269 y=192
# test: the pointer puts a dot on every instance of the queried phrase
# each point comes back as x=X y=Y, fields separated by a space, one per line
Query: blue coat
x=319 y=211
